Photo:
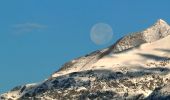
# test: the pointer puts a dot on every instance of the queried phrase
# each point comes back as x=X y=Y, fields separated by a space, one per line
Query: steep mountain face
x=136 y=67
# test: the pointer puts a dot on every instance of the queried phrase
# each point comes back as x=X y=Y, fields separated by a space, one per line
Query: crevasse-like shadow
x=164 y=50
x=154 y=57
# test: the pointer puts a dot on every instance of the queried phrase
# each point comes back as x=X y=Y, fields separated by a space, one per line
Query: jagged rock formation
x=136 y=67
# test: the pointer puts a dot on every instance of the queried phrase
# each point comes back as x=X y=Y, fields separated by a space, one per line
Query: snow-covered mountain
x=137 y=66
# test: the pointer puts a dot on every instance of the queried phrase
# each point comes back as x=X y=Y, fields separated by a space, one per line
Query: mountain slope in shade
x=136 y=67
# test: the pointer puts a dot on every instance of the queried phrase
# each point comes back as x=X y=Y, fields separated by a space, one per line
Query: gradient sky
x=38 y=36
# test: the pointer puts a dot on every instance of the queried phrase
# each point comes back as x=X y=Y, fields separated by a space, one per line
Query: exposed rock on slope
x=135 y=67
x=159 y=30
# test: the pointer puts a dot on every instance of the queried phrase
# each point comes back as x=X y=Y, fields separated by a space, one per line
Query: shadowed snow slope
x=136 y=67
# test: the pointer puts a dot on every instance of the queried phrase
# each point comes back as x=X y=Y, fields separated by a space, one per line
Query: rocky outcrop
x=159 y=30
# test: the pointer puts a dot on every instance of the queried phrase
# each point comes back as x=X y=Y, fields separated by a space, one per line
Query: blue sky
x=38 y=36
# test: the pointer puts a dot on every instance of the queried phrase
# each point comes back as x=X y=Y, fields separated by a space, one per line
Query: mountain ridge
x=126 y=42
x=135 y=67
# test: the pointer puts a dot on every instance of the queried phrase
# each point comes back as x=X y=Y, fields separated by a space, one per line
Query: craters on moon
x=101 y=33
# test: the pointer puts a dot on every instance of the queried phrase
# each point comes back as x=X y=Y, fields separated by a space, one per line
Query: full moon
x=101 y=33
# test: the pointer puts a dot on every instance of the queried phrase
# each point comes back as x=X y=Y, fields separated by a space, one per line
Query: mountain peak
x=157 y=31
x=161 y=22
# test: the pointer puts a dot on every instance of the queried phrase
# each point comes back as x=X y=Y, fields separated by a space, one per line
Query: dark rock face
x=160 y=93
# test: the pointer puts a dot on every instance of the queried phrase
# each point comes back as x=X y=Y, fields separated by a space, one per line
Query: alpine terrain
x=136 y=67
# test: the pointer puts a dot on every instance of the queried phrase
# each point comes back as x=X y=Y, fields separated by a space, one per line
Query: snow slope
x=156 y=32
